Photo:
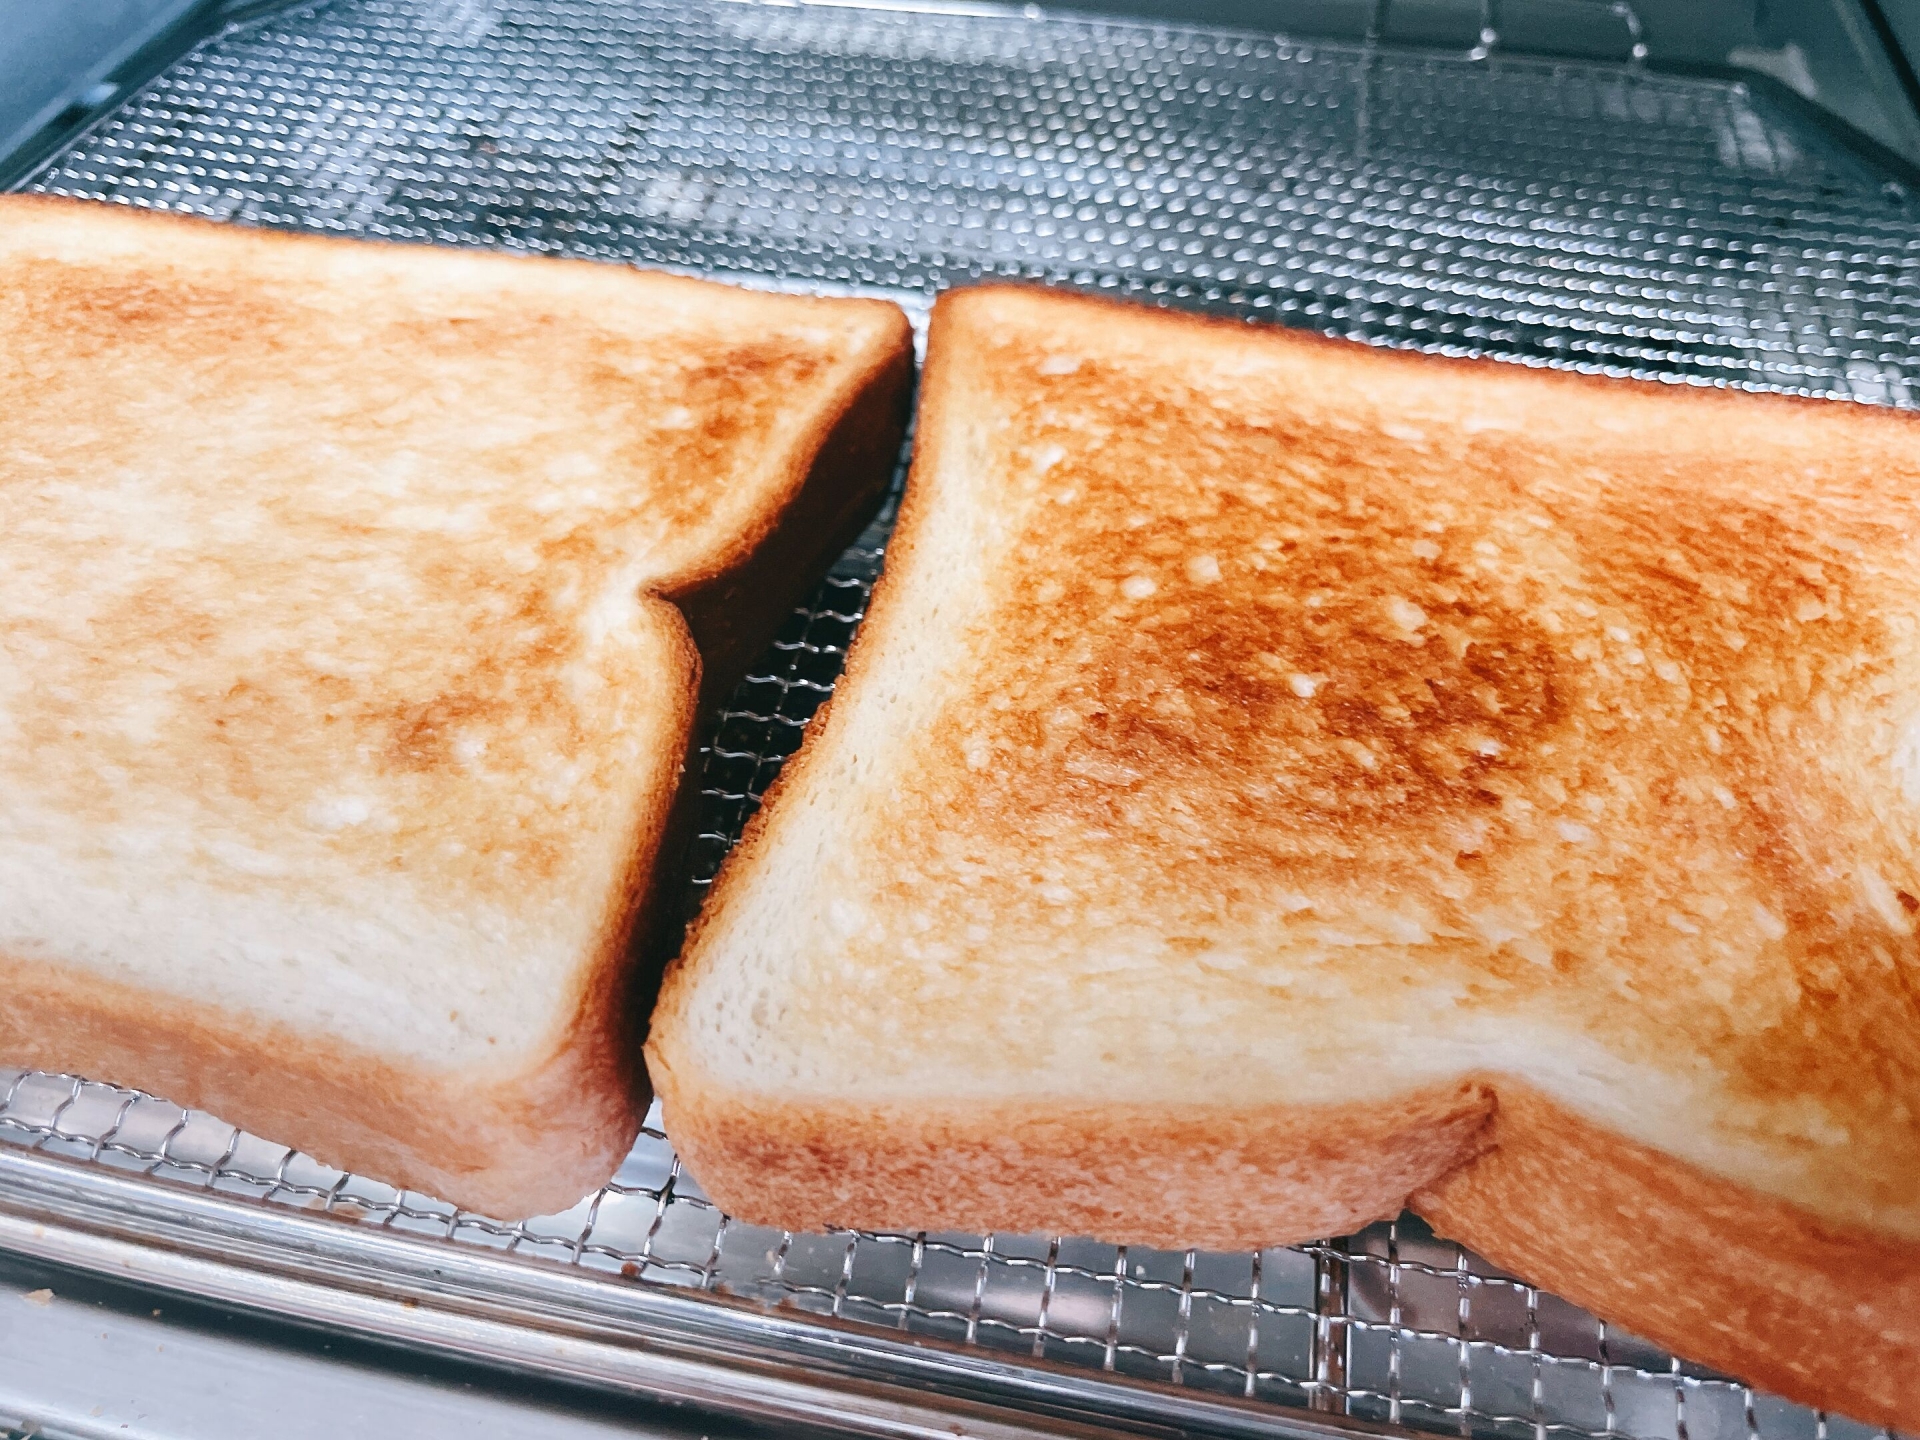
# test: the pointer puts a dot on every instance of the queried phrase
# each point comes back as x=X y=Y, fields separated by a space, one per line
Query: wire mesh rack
x=1598 y=215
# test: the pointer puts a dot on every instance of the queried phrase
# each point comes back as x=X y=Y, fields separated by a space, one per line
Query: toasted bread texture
x=1279 y=779
x=352 y=601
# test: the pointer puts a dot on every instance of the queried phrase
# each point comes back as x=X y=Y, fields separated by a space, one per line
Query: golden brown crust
x=1754 y=1287
x=487 y=1144
x=1125 y=1174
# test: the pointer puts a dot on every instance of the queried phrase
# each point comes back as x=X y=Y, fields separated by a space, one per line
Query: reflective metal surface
x=62 y=64
x=1602 y=216
x=83 y=1359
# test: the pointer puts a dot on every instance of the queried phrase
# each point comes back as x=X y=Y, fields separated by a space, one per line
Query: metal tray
x=1602 y=215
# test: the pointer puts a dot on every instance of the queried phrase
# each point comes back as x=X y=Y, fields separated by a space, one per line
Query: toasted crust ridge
x=1825 y=1315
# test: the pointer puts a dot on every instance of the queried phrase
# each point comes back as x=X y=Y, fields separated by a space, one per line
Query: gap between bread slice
x=345 y=684
x=1273 y=773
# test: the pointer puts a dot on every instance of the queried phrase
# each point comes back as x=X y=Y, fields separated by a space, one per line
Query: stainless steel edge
x=723 y=1355
x=86 y=67
x=566 y=1356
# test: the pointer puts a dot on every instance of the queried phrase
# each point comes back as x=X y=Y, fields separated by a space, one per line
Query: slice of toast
x=353 y=607
x=1280 y=780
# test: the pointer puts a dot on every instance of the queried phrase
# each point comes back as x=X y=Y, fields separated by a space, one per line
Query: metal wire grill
x=1391 y=1325
x=1581 y=213
x=1592 y=215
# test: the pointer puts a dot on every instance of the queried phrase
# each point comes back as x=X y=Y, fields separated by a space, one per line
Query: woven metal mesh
x=1591 y=215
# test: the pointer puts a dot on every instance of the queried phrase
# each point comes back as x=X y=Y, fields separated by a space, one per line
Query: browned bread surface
x=346 y=674
x=1252 y=731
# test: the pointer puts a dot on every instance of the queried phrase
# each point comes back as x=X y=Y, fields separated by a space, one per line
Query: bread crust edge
x=736 y=603
x=480 y=1142
x=1750 y=1285
x=1166 y=1177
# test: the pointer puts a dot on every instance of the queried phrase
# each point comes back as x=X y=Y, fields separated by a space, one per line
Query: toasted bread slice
x=351 y=601
x=1278 y=779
